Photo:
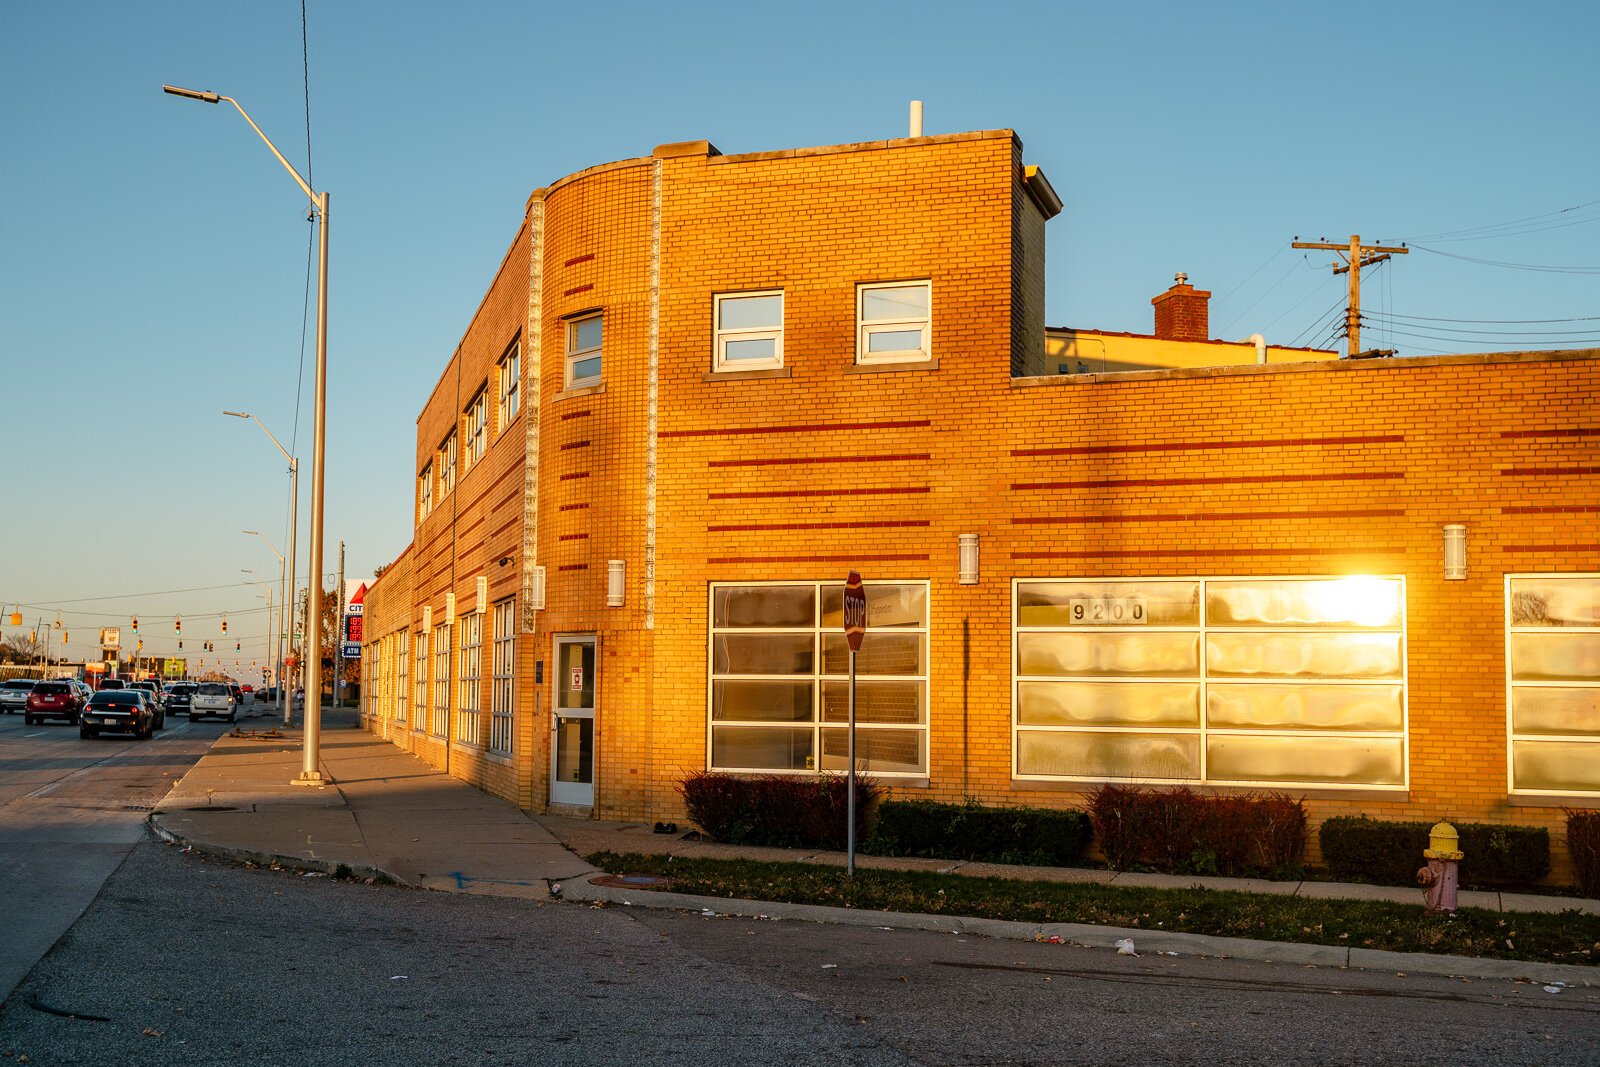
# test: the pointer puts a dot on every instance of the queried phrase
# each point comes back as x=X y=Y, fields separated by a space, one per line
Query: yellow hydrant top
x=1442 y=842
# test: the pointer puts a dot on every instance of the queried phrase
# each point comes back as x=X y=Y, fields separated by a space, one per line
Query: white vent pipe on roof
x=1261 y=346
x=916 y=118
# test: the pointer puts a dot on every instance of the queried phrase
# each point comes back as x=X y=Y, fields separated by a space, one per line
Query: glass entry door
x=572 y=722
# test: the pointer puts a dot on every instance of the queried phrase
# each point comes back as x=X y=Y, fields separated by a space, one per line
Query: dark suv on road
x=126 y=711
x=178 y=696
x=54 y=699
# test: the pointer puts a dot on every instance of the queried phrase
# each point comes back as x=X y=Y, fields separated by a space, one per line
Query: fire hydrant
x=1441 y=876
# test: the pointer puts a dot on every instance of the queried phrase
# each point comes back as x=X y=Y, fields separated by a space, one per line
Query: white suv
x=214 y=700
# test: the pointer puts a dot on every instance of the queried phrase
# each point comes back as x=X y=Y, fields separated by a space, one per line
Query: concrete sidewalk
x=387 y=814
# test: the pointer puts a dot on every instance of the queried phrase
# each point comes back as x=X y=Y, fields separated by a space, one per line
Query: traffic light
x=224 y=626
x=238 y=646
x=180 y=646
x=136 y=624
x=177 y=625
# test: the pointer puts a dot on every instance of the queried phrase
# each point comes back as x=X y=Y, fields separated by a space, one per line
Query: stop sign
x=855 y=611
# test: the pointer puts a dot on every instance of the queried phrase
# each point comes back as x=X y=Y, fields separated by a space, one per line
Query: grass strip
x=1570 y=937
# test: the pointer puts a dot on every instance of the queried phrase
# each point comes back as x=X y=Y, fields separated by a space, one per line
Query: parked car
x=213 y=700
x=178 y=696
x=14 y=694
x=127 y=711
x=55 y=698
x=238 y=694
x=269 y=693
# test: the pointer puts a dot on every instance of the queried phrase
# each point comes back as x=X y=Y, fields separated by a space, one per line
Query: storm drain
x=631 y=881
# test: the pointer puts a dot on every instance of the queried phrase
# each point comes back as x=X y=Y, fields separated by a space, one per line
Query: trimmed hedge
x=776 y=810
x=1186 y=832
x=1389 y=853
x=1583 y=842
x=1040 y=837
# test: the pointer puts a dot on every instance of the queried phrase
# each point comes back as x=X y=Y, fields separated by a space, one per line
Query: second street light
x=285 y=596
x=310 y=770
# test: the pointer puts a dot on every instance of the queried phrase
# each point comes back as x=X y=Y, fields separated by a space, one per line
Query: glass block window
x=470 y=668
x=780 y=679
x=1553 y=683
x=502 y=680
x=1238 y=681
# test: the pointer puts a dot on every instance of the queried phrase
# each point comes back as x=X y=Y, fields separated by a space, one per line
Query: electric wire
x=1536 y=267
x=1469 y=233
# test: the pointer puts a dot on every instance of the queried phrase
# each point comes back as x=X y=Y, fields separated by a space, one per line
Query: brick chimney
x=1182 y=312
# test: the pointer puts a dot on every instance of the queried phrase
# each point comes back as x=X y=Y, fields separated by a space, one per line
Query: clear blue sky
x=154 y=255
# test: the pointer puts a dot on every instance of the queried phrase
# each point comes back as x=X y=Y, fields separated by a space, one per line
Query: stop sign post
x=855 y=628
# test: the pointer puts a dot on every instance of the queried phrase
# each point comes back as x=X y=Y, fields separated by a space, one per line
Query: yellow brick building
x=702 y=388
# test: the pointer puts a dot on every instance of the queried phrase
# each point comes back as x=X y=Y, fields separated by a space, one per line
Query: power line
x=1464 y=234
x=1494 y=322
x=1539 y=267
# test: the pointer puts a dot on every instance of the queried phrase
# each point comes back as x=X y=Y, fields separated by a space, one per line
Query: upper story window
x=477 y=426
x=1553 y=683
x=425 y=493
x=892 y=322
x=584 y=338
x=749 y=330
x=447 y=465
x=510 y=383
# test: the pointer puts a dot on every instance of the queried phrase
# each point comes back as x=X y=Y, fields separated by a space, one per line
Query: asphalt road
x=70 y=812
x=186 y=960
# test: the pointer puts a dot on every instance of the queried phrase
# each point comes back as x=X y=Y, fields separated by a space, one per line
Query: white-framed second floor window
x=425 y=493
x=477 y=427
x=447 y=465
x=894 y=322
x=585 y=338
x=749 y=330
x=470 y=670
x=1553 y=684
x=510 y=377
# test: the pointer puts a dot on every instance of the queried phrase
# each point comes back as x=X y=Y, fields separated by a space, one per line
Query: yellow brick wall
x=1327 y=468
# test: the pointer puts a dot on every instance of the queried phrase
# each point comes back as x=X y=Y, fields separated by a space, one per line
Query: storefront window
x=1553 y=689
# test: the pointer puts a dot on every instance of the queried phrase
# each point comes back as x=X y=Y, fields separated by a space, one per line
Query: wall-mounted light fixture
x=427 y=618
x=482 y=606
x=616 y=582
x=1455 y=551
x=967 y=545
x=503 y=560
x=449 y=609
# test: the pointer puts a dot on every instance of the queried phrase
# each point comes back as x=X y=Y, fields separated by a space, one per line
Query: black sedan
x=127 y=711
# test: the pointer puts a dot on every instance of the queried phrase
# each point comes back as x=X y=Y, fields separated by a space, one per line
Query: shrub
x=1583 y=842
x=1390 y=853
x=1045 y=837
x=1181 y=830
x=776 y=810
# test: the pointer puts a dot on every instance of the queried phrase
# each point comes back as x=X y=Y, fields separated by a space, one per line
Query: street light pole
x=310 y=772
x=284 y=607
x=271 y=633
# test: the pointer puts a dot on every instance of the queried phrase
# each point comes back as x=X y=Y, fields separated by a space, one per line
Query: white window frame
x=502 y=696
x=425 y=491
x=419 y=703
x=1514 y=738
x=817 y=677
x=440 y=725
x=477 y=427
x=1202 y=729
x=402 y=697
x=447 y=465
x=866 y=328
x=510 y=384
x=469 y=675
x=723 y=336
x=576 y=355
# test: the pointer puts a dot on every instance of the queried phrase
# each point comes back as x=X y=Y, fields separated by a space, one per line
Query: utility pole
x=1356 y=256
x=338 y=638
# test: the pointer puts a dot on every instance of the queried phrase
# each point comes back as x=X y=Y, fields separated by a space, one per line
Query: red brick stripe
x=1112 y=483
x=573 y=507
x=813 y=459
x=573 y=567
x=1573 y=509
x=572 y=477
x=565 y=415
x=1190 y=446
x=818 y=525
x=1551 y=548
x=574 y=444
x=1543 y=472
x=813 y=428
x=576 y=289
x=575 y=260
x=1209 y=516
x=1583 y=431
x=846 y=557
x=1345 y=550
x=770 y=495
x=573 y=537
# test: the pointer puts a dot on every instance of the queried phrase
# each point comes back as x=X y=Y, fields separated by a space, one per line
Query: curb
x=270 y=859
x=1089 y=936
